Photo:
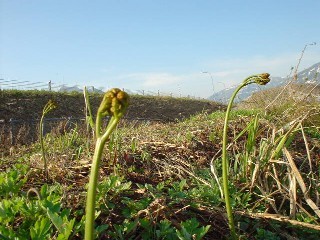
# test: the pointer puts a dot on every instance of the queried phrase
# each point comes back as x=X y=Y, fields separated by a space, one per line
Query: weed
x=47 y=108
x=89 y=116
x=40 y=214
x=265 y=234
x=12 y=180
x=190 y=230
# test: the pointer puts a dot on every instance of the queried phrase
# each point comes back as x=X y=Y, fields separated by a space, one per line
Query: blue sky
x=155 y=45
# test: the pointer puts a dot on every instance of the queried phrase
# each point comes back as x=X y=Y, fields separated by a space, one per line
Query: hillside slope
x=28 y=105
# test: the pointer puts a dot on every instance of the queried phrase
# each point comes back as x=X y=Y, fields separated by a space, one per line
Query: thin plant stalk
x=47 y=108
x=89 y=118
x=45 y=168
x=113 y=104
x=225 y=183
x=261 y=79
x=93 y=181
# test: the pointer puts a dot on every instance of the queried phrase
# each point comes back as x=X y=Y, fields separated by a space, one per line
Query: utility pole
x=211 y=79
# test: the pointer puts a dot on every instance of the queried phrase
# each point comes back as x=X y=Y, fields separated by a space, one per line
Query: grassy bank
x=162 y=180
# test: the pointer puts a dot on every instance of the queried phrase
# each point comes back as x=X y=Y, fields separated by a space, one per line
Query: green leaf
x=7 y=233
x=182 y=184
x=49 y=205
x=56 y=220
x=9 y=209
x=145 y=223
x=190 y=230
x=12 y=180
x=183 y=234
x=44 y=191
x=166 y=231
x=68 y=226
x=160 y=186
x=41 y=229
x=101 y=228
x=63 y=225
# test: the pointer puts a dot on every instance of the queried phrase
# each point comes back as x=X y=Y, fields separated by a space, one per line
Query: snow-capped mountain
x=310 y=75
x=76 y=88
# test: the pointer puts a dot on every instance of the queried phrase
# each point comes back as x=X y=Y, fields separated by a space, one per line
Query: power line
x=43 y=85
x=12 y=82
x=21 y=85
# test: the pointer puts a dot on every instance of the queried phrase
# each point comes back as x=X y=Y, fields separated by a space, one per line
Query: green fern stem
x=225 y=165
x=47 y=108
x=260 y=79
x=45 y=167
x=114 y=104
x=93 y=181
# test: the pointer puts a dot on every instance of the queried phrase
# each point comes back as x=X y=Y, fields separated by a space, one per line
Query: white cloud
x=224 y=72
x=167 y=83
x=277 y=65
x=229 y=72
x=160 y=79
x=150 y=79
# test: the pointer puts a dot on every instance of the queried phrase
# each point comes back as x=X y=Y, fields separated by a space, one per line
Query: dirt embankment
x=28 y=105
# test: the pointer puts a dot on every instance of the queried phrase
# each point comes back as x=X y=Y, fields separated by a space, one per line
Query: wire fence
x=24 y=85
x=51 y=86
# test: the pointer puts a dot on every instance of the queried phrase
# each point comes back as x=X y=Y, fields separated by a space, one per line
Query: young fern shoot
x=89 y=117
x=261 y=79
x=47 y=108
x=114 y=104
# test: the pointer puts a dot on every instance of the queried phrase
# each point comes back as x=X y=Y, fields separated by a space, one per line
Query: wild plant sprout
x=89 y=117
x=261 y=79
x=114 y=104
x=47 y=108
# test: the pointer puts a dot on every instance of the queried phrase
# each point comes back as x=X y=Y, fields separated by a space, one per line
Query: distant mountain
x=310 y=75
x=77 y=89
